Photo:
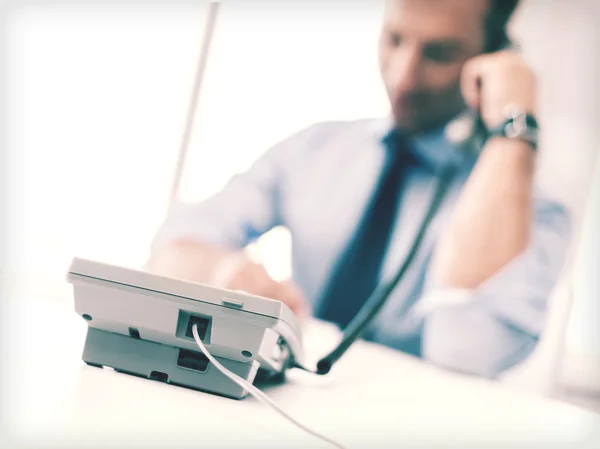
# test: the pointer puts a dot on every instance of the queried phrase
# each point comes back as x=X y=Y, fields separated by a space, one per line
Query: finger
x=252 y=278
x=255 y=279
x=470 y=83
x=293 y=297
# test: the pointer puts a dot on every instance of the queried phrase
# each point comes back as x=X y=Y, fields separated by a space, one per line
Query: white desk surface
x=374 y=398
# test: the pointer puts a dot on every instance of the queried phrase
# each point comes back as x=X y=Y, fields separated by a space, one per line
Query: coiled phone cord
x=378 y=298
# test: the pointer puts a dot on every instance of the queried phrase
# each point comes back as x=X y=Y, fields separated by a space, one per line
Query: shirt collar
x=432 y=148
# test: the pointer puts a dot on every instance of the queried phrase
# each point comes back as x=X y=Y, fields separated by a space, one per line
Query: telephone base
x=163 y=363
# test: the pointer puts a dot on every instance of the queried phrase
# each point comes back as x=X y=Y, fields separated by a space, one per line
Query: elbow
x=468 y=341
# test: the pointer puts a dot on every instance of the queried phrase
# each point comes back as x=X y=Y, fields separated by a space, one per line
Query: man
x=354 y=195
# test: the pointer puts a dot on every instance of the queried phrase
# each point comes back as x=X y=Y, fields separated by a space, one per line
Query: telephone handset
x=467 y=131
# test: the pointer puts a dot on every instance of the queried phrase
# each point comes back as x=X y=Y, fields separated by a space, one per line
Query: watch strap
x=518 y=125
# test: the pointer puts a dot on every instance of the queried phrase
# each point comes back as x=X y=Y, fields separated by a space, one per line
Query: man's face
x=423 y=46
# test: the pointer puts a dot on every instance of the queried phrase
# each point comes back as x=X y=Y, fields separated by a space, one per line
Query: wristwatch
x=518 y=125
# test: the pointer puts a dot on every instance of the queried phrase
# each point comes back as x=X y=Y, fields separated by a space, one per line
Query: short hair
x=498 y=16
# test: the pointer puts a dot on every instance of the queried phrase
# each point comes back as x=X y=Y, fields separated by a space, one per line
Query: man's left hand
x=492 y=82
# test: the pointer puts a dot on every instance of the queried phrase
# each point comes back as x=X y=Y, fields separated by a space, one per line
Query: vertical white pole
x=213 y=9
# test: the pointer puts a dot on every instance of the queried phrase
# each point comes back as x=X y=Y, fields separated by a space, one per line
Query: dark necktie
x=357 y=271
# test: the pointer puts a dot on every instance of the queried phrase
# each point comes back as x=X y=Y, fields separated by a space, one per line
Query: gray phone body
x=140 y=323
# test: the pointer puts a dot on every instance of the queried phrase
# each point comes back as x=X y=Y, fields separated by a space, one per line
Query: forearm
x=186 y=259
x=495 y=326
x=492 y=221
x=204 y=263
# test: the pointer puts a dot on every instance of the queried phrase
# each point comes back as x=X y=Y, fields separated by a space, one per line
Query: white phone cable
x=254 y=391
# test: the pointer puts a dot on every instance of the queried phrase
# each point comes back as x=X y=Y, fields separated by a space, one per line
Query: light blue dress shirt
x=317 y=184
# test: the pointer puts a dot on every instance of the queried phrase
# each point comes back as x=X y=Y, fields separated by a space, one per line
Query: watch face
x=517 y=127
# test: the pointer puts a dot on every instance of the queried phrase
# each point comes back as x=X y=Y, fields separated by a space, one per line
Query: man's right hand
x=205 y=264
x=253 y=278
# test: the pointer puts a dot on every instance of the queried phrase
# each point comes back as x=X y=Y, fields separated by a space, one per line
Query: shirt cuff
x=516 y=295
x=441 y=297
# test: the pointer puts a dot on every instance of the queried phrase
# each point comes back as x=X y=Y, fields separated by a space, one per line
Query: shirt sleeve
x=247 y=207
x=496 y=326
